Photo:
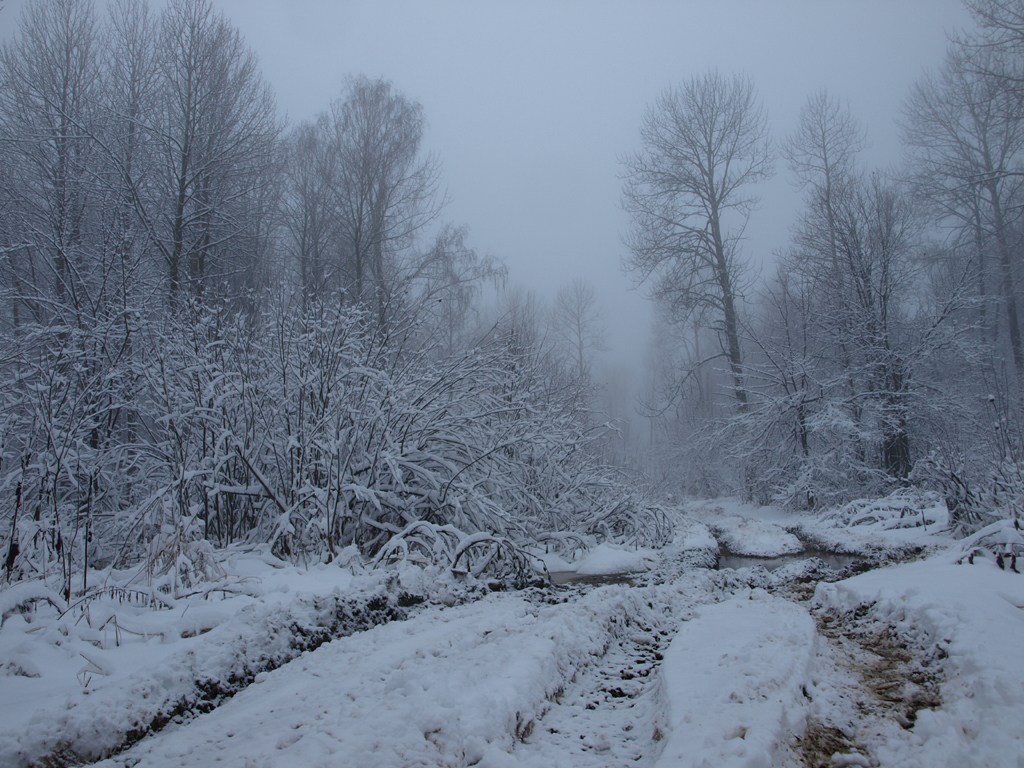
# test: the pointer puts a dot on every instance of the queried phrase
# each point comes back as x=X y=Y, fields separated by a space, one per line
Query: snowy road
x=912 y=665
x=451 y=686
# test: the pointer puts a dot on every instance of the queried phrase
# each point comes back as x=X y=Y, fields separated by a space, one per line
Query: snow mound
x=1001 y=541
x=744 y=530
x=733 y=678
x=691 y=534
x=973 y=615
x=755 y=538
x=605 y=560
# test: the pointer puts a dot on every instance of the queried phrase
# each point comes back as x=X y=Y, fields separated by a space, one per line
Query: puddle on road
x=726 y=561
x=831 y=559
x=562 y=578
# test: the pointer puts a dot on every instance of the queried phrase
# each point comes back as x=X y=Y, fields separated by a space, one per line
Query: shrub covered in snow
x=311 y=431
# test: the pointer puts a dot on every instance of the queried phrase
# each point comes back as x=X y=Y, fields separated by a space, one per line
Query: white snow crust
x=974 y=614
x=690 y=667
x=733 y=675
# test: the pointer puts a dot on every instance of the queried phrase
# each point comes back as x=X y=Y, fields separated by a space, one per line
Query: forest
x=294 y=472
x=220 y=328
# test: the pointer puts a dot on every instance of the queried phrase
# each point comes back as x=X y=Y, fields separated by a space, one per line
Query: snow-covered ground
x=966 y=622
x=745 y=530
x=913 y=664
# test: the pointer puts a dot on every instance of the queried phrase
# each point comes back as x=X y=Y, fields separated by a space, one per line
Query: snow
x=692 y=535
x=601 y=560
x=685 y=667
x=605 y=559
x=82 y=679
x=744 y=534
x=733 y=677
x=975 y=615
x=452 y=686
x=905 y=519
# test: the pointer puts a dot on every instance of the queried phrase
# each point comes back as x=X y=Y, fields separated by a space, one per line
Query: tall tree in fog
x=877 y=233
x=822 y=156
x=49 y=91
x=218 y=131
x=705 y=143
x=307 y=207
x=385 y=191
x=577 y=321
x=449 y=277
x=965 y=150
x=131 y=93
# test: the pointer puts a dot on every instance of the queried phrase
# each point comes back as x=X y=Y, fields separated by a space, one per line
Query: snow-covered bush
x=1001 y=541
x=481 y=555
x=310 y=430
x=66 y=462
x=903 y=508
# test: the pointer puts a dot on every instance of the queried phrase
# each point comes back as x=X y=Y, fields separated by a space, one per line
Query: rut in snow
x=610 y=712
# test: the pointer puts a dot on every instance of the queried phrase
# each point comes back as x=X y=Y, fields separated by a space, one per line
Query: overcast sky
x=531 y=104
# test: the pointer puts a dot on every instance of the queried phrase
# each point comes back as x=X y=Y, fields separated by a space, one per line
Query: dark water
x=560 y=578
x=726 y=560
x=831 y=559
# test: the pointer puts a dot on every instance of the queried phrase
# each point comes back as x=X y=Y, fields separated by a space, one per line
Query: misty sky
x=531 y=104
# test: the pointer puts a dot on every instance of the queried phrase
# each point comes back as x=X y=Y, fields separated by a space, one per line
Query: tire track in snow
x=877 y=682
x=609 y=714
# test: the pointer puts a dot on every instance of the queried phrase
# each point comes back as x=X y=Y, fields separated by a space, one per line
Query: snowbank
x=754 y=538
x=454 y=686
x=604 y=559
x=905 y=519
x=733 y=678
x=80 y=682
x=973 y=615
x=745 y=530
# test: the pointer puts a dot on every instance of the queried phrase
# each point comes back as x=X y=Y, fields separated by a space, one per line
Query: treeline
x=885 y=347
x=219 y=330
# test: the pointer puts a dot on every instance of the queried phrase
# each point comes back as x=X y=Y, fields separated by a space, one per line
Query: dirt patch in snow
x=888 y=680
x=901 y=680
x=822 y=744
x=609 y=712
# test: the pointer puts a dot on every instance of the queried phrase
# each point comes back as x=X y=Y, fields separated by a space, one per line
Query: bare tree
x=49 y=87
x=822 y=156
x=131 y=90
x=688 y=193
x=995 y=49
x=385 y=192
x=877 y=232
x=965 y=153
x=307 y=207
x=577 y=320
x=217 y=131
x=447 y=280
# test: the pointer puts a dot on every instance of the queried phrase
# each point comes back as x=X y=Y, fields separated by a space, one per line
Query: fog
x=530 y=105
x=263 y=422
